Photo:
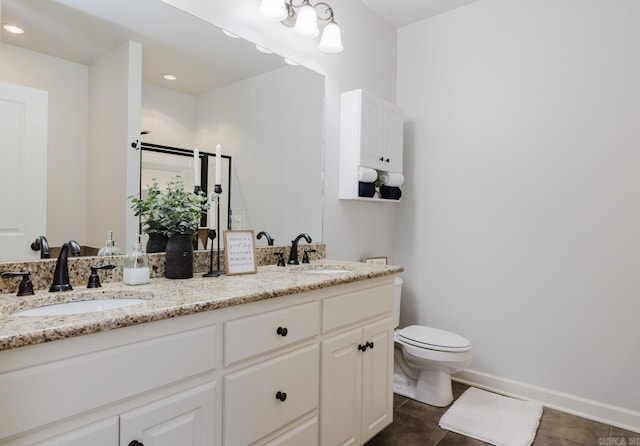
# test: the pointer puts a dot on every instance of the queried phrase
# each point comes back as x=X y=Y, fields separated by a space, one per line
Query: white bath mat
x=493 y=418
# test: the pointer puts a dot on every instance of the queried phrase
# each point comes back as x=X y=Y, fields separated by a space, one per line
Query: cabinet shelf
x=371 y=134
x=375 y=200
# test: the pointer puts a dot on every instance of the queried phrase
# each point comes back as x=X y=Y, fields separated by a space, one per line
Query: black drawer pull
x=279 y=396
x=282 y=331
x=135 y=443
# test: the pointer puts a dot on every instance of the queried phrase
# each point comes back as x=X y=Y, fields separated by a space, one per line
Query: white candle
x=218 y=164
x=212 y=211
x=196 y=167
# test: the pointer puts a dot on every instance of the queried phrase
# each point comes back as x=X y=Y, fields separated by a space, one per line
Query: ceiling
x=174 y=42
x=404 y=12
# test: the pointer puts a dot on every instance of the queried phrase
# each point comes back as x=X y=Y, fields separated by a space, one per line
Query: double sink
x=86 y=302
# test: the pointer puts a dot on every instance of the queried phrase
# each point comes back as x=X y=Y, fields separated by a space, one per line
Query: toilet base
x=433 y=386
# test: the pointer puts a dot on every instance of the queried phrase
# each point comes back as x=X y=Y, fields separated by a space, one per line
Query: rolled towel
x=392 y=179
x=366 y=189
x=367 y=175
x=391 y=193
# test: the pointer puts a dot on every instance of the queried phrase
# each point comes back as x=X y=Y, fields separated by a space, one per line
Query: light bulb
x=331 y=41
x=273 y=10
x=307 y=23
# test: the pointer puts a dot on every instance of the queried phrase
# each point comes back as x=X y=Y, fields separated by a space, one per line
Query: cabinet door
x=185 y=419
x=393 y=130
x=371 y=137
x=341 y=390
x=377 y=378
x=101 y=433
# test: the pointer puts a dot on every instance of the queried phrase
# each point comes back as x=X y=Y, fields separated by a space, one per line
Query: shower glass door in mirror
x=164 y=163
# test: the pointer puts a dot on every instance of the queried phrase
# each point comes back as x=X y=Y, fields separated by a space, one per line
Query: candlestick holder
x=214 y=236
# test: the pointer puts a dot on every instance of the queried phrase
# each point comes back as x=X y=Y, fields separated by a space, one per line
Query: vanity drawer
x=254 y=335
x=350 y=308
x=251 y=408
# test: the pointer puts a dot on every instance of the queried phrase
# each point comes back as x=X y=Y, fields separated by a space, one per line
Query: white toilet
x=425 y=358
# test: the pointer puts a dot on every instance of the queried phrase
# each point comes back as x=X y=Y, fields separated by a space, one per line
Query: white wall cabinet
x=244 y=375
x=371 y=135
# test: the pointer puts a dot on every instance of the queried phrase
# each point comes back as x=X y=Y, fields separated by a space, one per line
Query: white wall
x=367 y=62
x=168 y=116
x=276 y=187
x=520 y=222
x=67 y=86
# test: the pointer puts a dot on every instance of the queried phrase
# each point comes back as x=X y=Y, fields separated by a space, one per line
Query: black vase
x=178 y=263
x=157 y=242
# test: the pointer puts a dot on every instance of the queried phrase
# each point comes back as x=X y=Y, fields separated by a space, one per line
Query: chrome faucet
x=61 y=275
x=293 y=255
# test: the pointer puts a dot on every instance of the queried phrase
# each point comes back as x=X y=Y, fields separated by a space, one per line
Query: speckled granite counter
x=166 y=298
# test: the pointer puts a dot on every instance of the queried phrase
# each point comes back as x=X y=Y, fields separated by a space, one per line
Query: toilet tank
x=396 y=308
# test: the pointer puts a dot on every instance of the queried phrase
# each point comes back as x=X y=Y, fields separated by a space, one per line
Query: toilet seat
x=433 y=339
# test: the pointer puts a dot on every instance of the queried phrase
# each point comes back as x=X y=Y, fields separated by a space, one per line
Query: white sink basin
x=85 y=306
x=325 y=271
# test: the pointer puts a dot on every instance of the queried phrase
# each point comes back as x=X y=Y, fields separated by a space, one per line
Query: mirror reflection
x=267 y=115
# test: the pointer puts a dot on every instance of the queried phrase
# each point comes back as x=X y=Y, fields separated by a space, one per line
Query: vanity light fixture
x=169 y=76
x=303 y=18
x=13 y=29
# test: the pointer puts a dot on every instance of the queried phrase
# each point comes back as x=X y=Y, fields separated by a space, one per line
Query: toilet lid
x=434 y=339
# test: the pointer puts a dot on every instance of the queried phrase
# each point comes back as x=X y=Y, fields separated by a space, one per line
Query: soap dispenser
x=135 y=270
x=109 y=248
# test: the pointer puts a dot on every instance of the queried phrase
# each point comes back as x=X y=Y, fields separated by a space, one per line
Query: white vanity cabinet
x=357 y=366
x=277 y=389
x=371 y=135
x=146 y=383
x=280 y=372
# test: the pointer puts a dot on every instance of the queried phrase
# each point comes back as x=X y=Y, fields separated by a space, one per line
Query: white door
x=184 y=419
x=23 y=169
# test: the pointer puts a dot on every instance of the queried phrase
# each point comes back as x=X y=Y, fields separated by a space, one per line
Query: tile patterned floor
x=416 y=424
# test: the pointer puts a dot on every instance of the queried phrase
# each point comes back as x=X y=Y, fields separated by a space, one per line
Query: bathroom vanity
x=288 y=356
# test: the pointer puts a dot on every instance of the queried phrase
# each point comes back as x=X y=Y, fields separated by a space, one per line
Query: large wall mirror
x=266 y=114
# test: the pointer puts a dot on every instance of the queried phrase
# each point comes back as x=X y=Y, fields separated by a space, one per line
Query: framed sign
x=376 y=260
x=240 y=252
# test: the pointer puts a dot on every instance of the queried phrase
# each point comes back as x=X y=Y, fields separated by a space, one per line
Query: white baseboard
x=593 y=410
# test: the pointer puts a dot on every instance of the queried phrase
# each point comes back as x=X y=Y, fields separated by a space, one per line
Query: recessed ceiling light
x=169 y=76
x=230 y=34
x=290 y=62
x=14 y=29
x=263 y=49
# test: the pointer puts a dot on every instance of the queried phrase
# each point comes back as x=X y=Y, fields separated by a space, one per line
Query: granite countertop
x=165 y=298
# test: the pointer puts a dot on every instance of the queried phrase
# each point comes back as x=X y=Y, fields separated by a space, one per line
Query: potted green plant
x=148 y=209
x=175 y=213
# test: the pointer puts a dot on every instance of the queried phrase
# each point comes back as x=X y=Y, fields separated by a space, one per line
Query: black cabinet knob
x=362 y=348
x=387 y=160
x=279 y=396
x=282 y=331
x=369 y=344
x=135 y=443
x=382 y=158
